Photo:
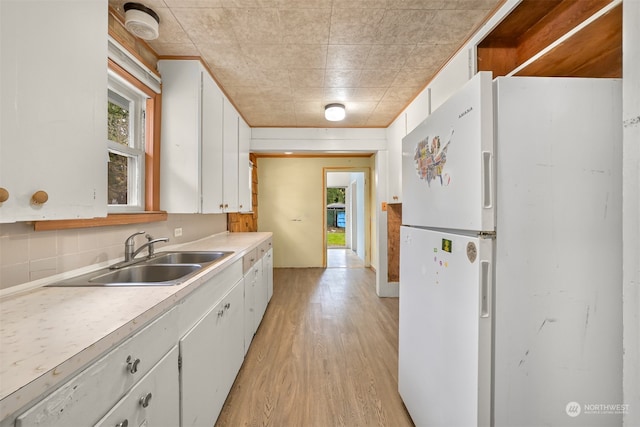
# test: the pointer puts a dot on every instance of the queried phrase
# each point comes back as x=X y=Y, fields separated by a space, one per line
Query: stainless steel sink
x=145 y=273
x=163 y=269
x=187 y=257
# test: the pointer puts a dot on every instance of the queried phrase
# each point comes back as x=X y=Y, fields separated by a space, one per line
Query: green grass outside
x=335 y=239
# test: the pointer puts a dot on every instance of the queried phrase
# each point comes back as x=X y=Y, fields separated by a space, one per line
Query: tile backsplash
x=27 y=255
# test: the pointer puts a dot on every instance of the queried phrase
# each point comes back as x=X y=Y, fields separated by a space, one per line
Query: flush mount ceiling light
x=334 y=112
x=141 y=21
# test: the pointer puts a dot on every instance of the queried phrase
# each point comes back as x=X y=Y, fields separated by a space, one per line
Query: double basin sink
x=162 y=269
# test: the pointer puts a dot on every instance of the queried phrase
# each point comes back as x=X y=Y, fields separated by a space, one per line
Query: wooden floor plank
x=326 y=354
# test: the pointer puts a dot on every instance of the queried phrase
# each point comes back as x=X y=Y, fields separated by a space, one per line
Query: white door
x=447 y=166
x=445 y=327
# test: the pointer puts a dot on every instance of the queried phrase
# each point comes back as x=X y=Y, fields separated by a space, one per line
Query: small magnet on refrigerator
x=472 y=252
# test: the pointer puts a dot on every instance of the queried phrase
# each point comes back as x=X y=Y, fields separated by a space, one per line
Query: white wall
x=631 y=210
x=357 y=178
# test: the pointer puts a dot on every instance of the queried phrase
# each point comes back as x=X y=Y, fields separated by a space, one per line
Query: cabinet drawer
x=264 y=248
x=198 y=303
x=89 y=395
x=153 y=401
x=249 y=259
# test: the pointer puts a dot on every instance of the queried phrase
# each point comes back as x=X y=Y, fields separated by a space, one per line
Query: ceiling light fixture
x=334 y=112
x=141 y=21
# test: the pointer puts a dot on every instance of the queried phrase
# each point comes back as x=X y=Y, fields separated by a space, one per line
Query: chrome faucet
x=150 y=242
x=130 y=252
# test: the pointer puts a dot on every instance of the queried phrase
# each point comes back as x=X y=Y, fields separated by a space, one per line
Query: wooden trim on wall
x=110 y=219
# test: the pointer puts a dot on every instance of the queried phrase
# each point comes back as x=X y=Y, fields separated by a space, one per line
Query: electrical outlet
x=177 y=232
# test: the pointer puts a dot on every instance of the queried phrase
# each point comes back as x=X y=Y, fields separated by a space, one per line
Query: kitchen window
x=126 y=108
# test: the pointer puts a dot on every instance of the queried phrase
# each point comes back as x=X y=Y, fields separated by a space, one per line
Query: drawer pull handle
x=132 y=365
x=144 y=400
x=227 y=306
x=220 y=312
x=124 y=423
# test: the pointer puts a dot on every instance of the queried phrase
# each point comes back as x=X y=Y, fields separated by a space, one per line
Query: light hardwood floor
x=325 y=355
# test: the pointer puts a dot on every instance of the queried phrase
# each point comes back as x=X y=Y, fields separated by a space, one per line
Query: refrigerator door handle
x=485 y=289
x=487 y=179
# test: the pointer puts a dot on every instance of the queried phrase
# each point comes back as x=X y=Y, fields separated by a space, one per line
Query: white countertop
x=48 y=334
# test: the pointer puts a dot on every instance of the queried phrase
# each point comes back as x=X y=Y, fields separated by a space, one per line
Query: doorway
x=346 y=205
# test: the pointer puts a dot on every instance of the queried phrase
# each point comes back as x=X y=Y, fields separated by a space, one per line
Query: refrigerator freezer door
x=558 y=312
x=447 y=163
x=445 y=327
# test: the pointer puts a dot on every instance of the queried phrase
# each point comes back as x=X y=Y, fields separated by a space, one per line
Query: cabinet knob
x=4 y=195
x=132 y=365
x=39 y=197
x=124 y=423
x=144 y=400
x=226 y=205
x=240 y=206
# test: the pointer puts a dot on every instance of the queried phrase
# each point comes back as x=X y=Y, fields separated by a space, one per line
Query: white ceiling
x=281 y=61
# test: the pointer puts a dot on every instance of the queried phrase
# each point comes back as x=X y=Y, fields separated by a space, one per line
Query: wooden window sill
x=110 y=219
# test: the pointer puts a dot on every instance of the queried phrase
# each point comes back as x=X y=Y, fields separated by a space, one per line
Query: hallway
x=326 y=354
x=343 y=258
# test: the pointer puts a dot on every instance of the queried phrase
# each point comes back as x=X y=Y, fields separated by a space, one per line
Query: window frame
x=136 y=147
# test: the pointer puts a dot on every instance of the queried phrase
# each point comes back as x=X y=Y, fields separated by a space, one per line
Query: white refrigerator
x=510 y=256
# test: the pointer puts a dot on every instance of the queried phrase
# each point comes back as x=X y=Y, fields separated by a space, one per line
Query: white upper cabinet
x=200 y=137
x=395 y=133
x=191 y=160
x=53 y=115
x=244 y=168
x=230 y=157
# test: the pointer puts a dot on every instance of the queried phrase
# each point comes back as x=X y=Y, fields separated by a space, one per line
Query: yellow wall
x=290 y=196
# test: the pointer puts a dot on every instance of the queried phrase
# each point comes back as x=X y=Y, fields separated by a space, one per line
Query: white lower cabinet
x=211 y=355
x=88 y=396
x=153 y=401
x=177 y=370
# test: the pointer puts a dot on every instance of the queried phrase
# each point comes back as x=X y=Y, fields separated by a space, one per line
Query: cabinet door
x=153 y=401
x=54 y=125
x=249 y=309
x=267 y=272
x=211 y=158
x=395 y=133
x=261 y=293
x=180 y=145
x=244 y=167
x=211 y=357
x=230 y=157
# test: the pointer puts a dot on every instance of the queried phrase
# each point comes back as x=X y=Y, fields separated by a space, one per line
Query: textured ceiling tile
x=411 y=77
x=205 y=25
x=347 y=56
x=403 y=26
x=355 y=26
x=255 y=25
x=153 y=4
x=372 y=94
x=271 y=78
x=305 y=26
x=233 y=76
x=223 y=55
x=391 y=56
x=307 y=94
x=452 y=25
x=430 y=55
x=402 y=95
x=338 y=94
x=266 y=56
x=341 y=78
x=306 y=77
x=360 y=4
x=297 y=56
x=193 y=3
x=274 y=94
x=377 y=78
x=483 y=5
x=299 y=4
x=417 y=4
